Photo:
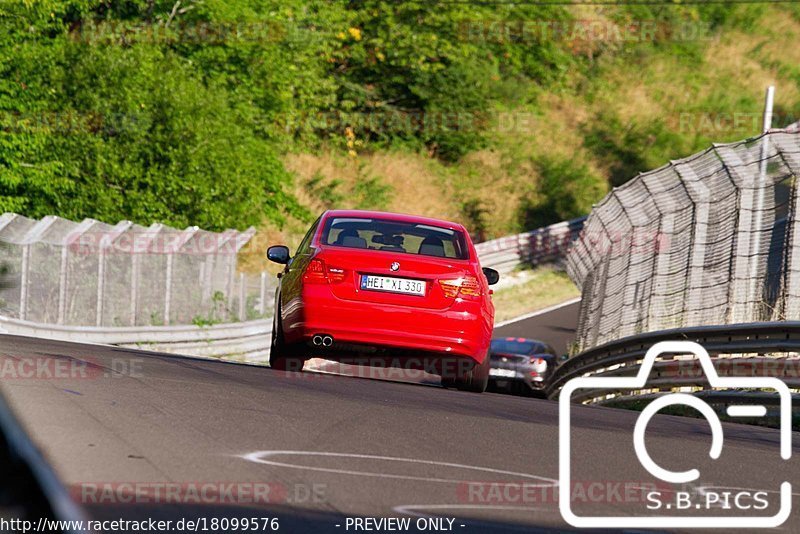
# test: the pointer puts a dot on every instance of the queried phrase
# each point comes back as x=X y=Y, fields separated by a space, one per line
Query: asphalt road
x=556 y=327
x=140 y=435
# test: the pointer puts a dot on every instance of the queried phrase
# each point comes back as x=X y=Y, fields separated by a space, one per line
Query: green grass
x=546 y=287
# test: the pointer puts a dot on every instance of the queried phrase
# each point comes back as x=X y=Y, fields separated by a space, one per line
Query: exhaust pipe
x=317 y=340
x=327 y=341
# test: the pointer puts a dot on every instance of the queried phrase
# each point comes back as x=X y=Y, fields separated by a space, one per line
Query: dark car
x=520 y=365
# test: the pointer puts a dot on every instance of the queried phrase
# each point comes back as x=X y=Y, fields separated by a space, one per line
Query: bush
x=136 y=132
x=566 y=190
x=150 y=110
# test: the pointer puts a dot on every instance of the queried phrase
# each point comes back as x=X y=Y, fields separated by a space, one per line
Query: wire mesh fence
x=95 y=274
x=707 y=240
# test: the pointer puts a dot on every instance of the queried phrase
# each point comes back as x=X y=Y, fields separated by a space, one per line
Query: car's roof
x=394 y=217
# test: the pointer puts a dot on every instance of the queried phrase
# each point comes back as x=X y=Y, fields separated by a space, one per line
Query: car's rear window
x=394 y=236
x=516 y=346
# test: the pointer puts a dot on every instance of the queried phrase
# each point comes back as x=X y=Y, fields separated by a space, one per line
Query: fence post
x=701 y=197
x=791 y=276
x=262 y=306
x=62 y=285
x=105 y=242
x=207 y=278
x=168 y=286
x=174 y=248
x=761 y=186
x=31 y=236
x=239 y=239
x=230 y=280
x=659 y=302
x=63 y=276
x=627 y=323
x=135 y=277
x=23 y=284
x=101 y=274
x=242 y=297
x=739 y=303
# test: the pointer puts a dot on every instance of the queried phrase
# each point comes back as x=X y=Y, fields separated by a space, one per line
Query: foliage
x=475 y=214
x=180 y=112
x=366 y=192
x=567 y=191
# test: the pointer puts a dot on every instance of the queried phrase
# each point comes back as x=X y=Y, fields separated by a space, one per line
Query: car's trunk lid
x=389 y=273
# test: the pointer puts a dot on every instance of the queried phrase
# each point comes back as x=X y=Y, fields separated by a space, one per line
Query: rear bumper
x=535 y=383
x=462 y=331
x=523 y=374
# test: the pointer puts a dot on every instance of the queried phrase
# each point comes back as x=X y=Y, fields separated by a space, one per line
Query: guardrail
x=247 y=341
x=543 y=245
x=730 y=347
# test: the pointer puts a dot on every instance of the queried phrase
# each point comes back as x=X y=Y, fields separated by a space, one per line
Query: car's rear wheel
x=475 y=380
x=280 y=357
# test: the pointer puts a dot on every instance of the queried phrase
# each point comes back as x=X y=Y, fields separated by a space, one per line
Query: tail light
x=319 y=273
x=466 y=286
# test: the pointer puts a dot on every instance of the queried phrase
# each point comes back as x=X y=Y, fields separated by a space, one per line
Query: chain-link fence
x=95 y=274
x=707 y=240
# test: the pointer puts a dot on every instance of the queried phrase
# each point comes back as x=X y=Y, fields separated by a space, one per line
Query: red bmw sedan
x=385 y=289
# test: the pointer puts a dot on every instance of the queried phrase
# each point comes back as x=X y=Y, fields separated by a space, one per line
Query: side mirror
x=278 y=254
x=491 y=275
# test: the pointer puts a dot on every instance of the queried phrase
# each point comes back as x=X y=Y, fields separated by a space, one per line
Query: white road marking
x=538 y=312
x=259 y=457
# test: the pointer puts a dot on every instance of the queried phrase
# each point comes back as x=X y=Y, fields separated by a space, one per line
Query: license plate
x=393 y=285
x=507 y=373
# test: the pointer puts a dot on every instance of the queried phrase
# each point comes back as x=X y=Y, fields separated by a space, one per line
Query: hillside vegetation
x=505 y=116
